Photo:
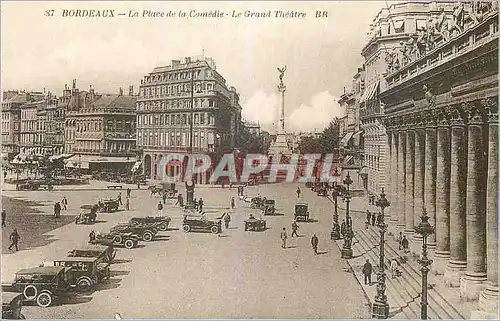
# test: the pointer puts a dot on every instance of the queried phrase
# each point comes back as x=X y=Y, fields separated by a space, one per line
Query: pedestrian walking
x=368 y=216
x=127 y=204
x=314 y=243
x=91 y=236
x=400 y=239
x=298 y=192
x=394 y=268
x=164 y=198
x=232 y=202
x=4 y=216
x=379 y=218
x=343 y=228
x=128 y=192
x=14 y=238
x=4 y=174
x=120 y=198
x=373 y=219
x=57 y=209
x=295 y=227
x=195 y=203
x=200 y=204
x=65 y=203
x=160 y=208
x=138 y=185
x=227 y=220
x=404 y=244
x=367 y=272
x=283 y=238
x=180 y=200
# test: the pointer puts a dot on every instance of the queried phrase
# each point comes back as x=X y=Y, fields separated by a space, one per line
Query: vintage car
x=268 y=207
x=127 y=240
x=42 y=285
x=108 y=205
x=87 y=271
x=256 y=202
x=28 y=186
x=200 y=223
x=12 y=304
x=301 y=212
x=104 y=253
x=161 y=222
x=255 y=224
x=322 y=191
x=88 y=214
x=309 y=184
x=145 y=232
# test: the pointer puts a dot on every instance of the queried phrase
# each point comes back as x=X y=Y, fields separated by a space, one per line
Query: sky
x=321 y=54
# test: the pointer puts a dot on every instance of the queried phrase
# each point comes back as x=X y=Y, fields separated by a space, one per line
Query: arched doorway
x=147 y=166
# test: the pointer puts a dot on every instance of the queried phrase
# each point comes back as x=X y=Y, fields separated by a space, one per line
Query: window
x=210 y=86
x=202 y=118
x=172 y=120
x=178 y=119
x=151 y=119
x=184 y=119
x=210 y=103
x=119 y=125
x=161 y=119
x=166 y=119
x=110 y=125
x=196 y=119
x=156 y=119
x=139 y=118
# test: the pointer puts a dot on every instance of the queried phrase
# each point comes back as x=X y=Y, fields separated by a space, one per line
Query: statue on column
x=282 y=73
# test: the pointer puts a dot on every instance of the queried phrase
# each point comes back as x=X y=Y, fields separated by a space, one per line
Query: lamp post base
x=380 y=310
x=347 y=253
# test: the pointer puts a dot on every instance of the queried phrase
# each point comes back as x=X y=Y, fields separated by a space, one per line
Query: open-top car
x=146 y=231
x=88 y=214
x=322 y=191
x=161 y=222
x=42 y=285
x=254 y=224
x=302 y=211
x=127 y=240
x=12 y=304
x=108 y=205
x=201 y=223
x=104 y=253
x=87 y=271
x=268 y=207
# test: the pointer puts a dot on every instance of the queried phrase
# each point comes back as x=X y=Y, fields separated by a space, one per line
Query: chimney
x=130 y=90
x=120 y=93
x=74 y=90
x=188 y=60
x=67 y=91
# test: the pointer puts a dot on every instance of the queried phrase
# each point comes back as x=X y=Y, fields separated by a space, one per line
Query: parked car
x=256 y=202
x=12 y=304
x=88 y=214
x=42 y=285
x=108 y=205
x=104 y=253
x=87 y=271
x=322 y=191
x=255 y=224
x=161 y=222
x=301 y=211
x=268 y=207
x=127 y=240
x=197 y=223
x=145 y=232
x=28 y=186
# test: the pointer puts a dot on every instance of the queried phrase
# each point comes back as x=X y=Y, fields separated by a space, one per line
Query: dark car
x=256 y=202
x=301 y=212
x=28 y=186
x=268 y=207
x=12 y=304
x=322 y=191
x=127 y=240
x=145 y=232
x=108 y=205
x=88 y=214
x=197 y=223
x=42 y=285
x=87 y=271
x=104 y=253
x=255 y=224
x=161 y=222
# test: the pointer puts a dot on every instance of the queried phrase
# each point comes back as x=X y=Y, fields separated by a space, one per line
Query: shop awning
x=345 y=139
x=61 y=156
x=369 y=92
x=83 y=161
x=347 y=160
x=136 y=166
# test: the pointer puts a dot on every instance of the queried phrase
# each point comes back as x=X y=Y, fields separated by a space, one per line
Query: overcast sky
x=322 y=55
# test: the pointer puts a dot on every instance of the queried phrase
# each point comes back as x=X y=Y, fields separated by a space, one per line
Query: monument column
x=458 y=190
x=488 y=299
x=394 y=185
x=388 y=176
x=280 y=146
x=409 y=183
x=430 y=175
x=418 y=207
x=443 y=194
x=401 y=180
x=473 y=280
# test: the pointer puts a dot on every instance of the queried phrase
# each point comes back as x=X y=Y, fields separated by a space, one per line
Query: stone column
x=388 y=174
x=458 y=190
x=409 y=187
x=475 y=276
x=488 y=299
x=430 y=177
x=392 y=222
x=442 y=195
x=401 y=180
x=418 y=203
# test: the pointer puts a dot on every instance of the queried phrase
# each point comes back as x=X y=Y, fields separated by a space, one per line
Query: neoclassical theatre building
x=441 y=116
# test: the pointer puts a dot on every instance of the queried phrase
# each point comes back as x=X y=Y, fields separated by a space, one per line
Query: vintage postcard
x=249 y=159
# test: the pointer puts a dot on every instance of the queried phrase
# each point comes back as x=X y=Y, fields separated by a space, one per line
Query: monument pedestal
x=280 y=146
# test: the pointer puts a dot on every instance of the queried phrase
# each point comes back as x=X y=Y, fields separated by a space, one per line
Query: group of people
x=373 y=218
x=295 y=227
x=58 y=206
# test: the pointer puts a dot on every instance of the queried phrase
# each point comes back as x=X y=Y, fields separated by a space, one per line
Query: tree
x=251 y=142
x=327 y=142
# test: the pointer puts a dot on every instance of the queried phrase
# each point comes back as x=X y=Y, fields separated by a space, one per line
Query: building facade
x=441 y=116
x=164 y=113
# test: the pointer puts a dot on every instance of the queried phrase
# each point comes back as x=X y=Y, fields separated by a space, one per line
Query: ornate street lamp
x=424 y=229
x=347 y=248
x=335 y=234
x=380 y=308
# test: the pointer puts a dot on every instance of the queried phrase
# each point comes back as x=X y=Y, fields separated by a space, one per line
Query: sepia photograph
x=249 y=159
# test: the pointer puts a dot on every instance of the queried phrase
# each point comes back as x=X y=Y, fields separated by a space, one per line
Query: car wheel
x=147 y=236
x=129 y=244
x=214 y=229
x=84 y=284
x=118 y=239
x=163 y=227
x=30 y=292
x=44 y=299
x=186 y=228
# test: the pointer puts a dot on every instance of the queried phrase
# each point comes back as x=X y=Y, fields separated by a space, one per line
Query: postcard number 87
x=49 y=13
